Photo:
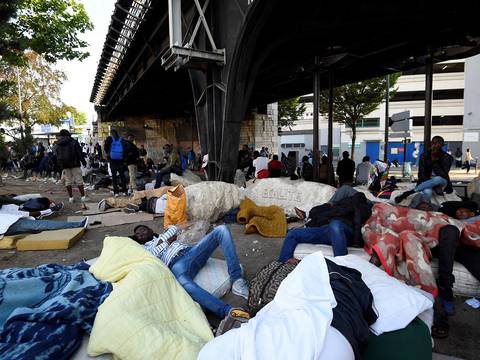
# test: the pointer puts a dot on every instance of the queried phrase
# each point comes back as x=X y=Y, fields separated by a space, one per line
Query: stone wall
x=261 y=130
x=155 y=133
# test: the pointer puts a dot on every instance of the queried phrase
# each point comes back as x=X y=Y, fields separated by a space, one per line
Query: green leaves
x=289 y=111
x=49 y=27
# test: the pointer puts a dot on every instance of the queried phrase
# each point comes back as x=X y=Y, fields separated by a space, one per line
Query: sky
x=81 y=74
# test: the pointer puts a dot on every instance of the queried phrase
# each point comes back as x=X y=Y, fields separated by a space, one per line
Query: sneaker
x=71 y=200
x=133 y=207
x=85 y=199
x=85 y=222
x=116 y=195
x=57 y=207
x=103 y=205
x=240 y=288
x=235 y=318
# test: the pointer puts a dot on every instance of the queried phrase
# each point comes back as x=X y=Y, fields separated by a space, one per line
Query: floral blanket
x=45 y=311
x=402 y=238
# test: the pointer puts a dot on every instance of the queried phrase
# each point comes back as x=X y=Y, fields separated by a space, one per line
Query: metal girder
x=117 y=5
x=170 y=58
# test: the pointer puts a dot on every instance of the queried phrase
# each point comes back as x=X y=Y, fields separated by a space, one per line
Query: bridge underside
x=270 y=51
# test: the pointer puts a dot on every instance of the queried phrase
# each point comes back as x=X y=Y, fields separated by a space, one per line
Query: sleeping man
x=186 y=261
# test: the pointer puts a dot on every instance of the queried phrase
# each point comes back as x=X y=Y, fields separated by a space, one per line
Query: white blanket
x=293 y=326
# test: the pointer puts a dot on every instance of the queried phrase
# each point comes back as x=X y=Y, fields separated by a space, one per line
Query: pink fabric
x=402 y=239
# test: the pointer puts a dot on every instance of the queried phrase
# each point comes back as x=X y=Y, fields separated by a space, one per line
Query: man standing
x=114 y=147
x=345 y=169
x=432 y=172
x=131 y=158
x=458 y=158
x=415 y=156
x=69 y=157
x=143 y=153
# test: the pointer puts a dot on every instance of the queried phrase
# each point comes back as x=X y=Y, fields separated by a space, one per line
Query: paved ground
x=254 y=252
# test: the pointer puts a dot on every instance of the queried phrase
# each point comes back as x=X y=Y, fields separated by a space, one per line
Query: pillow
x=397 y=304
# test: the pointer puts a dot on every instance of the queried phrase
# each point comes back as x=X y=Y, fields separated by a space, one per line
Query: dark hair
x=64 y=132
x=345 y=154
x=139 y=226
x=439 y=138
x=305 y=158
x=275 y=157
x=114 y=133
x=256 y=154
x=366 y=158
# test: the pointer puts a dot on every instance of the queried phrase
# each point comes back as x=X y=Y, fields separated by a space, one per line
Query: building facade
x=455 y=116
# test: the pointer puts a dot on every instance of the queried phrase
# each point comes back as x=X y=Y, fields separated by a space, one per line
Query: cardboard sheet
x=113 y=219
x=93 y=209
x=50 y=240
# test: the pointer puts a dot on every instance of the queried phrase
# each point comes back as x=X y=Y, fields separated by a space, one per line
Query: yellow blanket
x=148 y=315
x=269 y=221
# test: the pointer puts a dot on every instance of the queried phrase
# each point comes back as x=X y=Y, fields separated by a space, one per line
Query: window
x=367 y=122
x=439 y=120
x=420 y=95
x=296 y=145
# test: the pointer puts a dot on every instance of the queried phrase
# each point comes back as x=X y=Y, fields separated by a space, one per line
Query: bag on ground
x=176 y=210
x=265 y=284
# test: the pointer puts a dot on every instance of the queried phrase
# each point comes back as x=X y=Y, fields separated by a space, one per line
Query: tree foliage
x=289 y=111
x=50 y=28
x=353 y=102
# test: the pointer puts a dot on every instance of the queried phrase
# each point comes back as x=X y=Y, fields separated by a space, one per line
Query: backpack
x=184 y=162
x=265 y=284
x=116 y=149
x=66 y=155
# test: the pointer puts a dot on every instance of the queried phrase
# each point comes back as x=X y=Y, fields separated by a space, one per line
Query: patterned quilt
x=402 y=238
x=45 y=311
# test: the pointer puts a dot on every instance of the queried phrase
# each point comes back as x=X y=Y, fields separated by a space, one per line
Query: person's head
x=263 y=147
x=114 y=134
x=275 y=157
x=142 y=146
x=345 y=155
x=324 y=160
x=256 y=154
x=468 y=150
x=142 y=234
x=130 y=137
x=463 y=213
x=437 y=144
x=64 y=133
x=366 y=158
x=305 y=158
x=245 y=147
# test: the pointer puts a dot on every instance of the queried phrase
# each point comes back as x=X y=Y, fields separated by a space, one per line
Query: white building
x=455 y=112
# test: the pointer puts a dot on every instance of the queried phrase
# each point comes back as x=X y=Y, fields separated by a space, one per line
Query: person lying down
x=186 y=261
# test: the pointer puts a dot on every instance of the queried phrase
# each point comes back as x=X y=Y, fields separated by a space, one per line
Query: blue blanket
x=45 y=311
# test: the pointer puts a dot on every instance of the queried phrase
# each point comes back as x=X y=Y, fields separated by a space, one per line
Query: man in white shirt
x=259 y=163
x=186 y=261
x=363 y=171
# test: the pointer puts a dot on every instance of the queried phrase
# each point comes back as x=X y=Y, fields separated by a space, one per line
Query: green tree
x=289 y=111
x=36 y=97
x=353 y=102
x=50 y=28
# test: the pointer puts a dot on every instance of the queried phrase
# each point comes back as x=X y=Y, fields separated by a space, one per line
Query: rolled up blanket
x=268 y=221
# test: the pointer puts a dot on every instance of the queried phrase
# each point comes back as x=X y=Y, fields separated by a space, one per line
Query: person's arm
x=444 y=168
x=106 y=146
x=422 y=176
x=79 y=153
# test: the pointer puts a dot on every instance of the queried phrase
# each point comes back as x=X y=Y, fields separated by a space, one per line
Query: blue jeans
x=28 y=225
x=427 y=186
x=188 y=265
x=336 y=233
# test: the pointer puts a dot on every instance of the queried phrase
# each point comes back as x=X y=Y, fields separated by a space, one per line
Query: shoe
x=240 y=288
x=123 y=194
x=85 y=199
x=71 y=200
x=57 y=207
x=235 y=318
x=85 y=222
x=133 y=207
x=116 y=195
x=129 y=211
x=103 y=205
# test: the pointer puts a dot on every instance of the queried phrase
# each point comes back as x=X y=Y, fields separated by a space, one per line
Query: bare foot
x=300 y=213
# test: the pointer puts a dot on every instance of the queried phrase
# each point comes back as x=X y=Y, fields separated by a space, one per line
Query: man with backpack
x=69 y=157
x=115 y=147
x=132 y=158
